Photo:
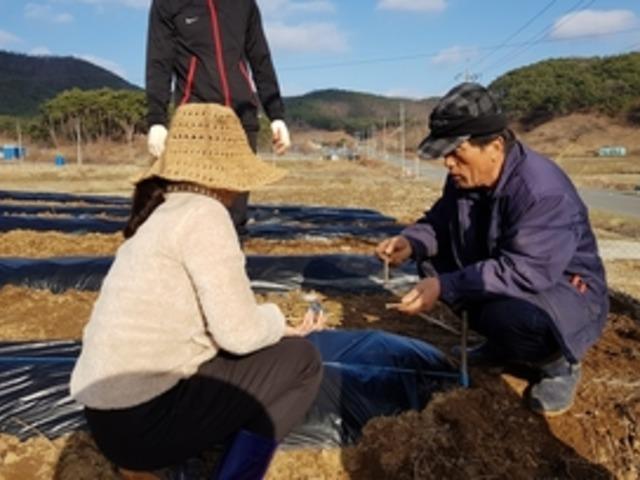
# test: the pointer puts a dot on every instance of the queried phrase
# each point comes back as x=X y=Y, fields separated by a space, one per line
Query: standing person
x=509 y=240
x=212 y=51
x=177 y=355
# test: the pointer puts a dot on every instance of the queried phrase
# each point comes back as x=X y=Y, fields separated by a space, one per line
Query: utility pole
x=78 y=147
x=19 y=131
x=384 y=138
x=374 y=147
x=402 y=138
x=467 y=76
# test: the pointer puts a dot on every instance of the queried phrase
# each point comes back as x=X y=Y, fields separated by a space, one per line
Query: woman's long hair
x=148 y=194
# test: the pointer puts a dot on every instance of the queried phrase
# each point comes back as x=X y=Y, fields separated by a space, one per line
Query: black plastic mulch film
x=367 y=373
x=92 y=213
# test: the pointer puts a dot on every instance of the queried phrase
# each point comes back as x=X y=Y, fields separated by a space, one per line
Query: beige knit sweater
x=176 y=293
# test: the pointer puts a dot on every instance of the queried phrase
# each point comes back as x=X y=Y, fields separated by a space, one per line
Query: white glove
x=281 y=140
x=156 y=139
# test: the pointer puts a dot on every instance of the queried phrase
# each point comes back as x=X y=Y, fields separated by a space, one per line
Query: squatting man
x=510 y=242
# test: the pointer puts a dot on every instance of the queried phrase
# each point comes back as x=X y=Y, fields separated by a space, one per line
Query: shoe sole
x=553 y=413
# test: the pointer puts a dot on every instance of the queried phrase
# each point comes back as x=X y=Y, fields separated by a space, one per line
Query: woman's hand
x=311 y=322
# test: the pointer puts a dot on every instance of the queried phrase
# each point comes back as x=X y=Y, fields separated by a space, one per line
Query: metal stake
x=464 y=373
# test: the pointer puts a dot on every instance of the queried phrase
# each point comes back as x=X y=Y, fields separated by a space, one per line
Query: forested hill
x=531 y=95
x=27 y=81
x=354 y=111
x=552 y=88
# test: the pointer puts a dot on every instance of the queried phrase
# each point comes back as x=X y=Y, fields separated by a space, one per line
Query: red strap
x=192 y=72
x=217 y=41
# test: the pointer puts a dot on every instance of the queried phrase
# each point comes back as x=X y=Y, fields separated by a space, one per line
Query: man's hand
x=281 y=139
x=422 y=298
x=395 y=250
x=156 y=139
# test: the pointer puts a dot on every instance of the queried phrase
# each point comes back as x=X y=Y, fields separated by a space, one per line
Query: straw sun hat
x=206 y=145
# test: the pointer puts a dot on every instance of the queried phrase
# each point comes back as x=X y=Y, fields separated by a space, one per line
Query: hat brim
x=432 y=147
x=225 y=178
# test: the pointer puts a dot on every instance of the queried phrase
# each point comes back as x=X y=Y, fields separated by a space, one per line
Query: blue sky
x=414 y=48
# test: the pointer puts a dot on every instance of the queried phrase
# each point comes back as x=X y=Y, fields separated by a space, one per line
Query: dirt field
x=481 y=432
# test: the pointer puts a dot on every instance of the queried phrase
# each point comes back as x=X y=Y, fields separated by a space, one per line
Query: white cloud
x=142 y=4
x=403 y=92
x=40 y=51
x=7 y=38
x=46 y=13
x=282 y=8
x=104 y=63
x=593 y=23
x=413 y=5
x=306 y=37
x=453 y=55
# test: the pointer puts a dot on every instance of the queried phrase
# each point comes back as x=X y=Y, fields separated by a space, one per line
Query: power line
x=514 y=34
x=536 y=39
x=632 y=47
x=416 y=56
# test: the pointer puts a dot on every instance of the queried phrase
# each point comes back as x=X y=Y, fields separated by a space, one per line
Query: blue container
x=9 y=152
x=59 y=161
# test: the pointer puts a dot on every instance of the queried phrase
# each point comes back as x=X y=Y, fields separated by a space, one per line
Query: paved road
x=615 y=202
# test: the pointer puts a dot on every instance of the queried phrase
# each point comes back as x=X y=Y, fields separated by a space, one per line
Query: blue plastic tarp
x=265 y=221
x=86 y=211
x=275 y=230
x=352 y=273
x=18 y=195
x=367 y=373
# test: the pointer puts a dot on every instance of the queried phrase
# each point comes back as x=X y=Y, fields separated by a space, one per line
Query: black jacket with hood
x=217 y=52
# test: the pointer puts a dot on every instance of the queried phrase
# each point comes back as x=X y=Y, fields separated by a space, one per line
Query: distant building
x=612 y=151
x=12 y=152
x=344 y=153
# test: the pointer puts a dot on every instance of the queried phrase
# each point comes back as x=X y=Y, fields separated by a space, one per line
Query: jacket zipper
x=190 y=76
x=217 y=41
x=245 y=74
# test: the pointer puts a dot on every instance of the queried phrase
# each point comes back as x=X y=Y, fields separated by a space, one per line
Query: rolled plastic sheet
x=78 y=225
x=49 y=209
x=367 y=373
x=265 y=221
x=350 y=273
x=18 y=195
x=301 y=213
x=316 y=215
x=257 y=213
x=55 y=274
x=81 y=225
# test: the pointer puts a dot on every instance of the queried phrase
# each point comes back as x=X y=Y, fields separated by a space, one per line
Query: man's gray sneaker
x=555 y=392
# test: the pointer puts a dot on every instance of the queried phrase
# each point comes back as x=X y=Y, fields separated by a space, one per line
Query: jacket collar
x=514 y=158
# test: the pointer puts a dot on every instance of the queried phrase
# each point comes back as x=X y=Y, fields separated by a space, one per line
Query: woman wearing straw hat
x=177 y=356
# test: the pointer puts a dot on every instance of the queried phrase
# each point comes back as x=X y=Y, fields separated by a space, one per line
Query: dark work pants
x=267 y=392
x=239 y=210
x=516 y=330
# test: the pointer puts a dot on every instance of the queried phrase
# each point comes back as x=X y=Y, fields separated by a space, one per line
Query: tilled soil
x=465 y=433
x=481 y=432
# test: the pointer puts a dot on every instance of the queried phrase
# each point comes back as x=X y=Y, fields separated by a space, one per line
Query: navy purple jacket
x=527 y=238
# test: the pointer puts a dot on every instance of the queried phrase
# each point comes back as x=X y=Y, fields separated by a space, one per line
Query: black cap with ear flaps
x=467 y=110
